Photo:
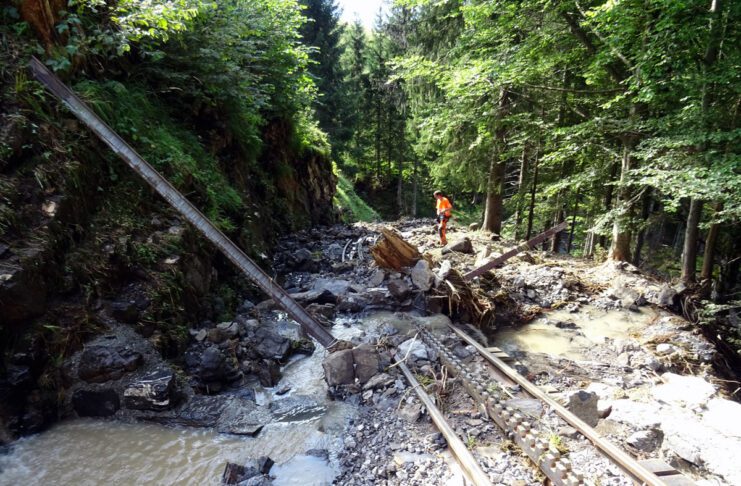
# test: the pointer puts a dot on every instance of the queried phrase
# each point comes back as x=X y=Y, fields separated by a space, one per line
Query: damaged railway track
x=491 y=393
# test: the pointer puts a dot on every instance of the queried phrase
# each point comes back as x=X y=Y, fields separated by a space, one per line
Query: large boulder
x=338 y=368
x=99 y=364
x=269 y=344
x=154 y=391
x=702 y=445
x=96 y=403
x=213 y=365
x=367 y=363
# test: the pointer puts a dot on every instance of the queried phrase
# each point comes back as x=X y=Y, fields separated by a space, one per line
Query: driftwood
x=465 y=302
x=393 y=252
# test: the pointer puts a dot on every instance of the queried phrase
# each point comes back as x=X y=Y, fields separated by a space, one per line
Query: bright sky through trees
x=365 y=10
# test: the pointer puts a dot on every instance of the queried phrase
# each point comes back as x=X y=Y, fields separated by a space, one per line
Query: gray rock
x=667 y=296
x=230 y=329
x=377 y=278
x=296 y=408
x=336 y=287
x=567 y=431
x=265 y=464
x=411 y=412
x=463 y=245
x=583 y=404
x=399 y=288
x=381 y=380
x=96 y=403
x=422 y=276
x=338 y=368
x=414 y=349
x=240 y=416
x=152 y=392
x=723 y=415
x=645 y=440
x=269 y=344
x=323 y=296
x=664 y=349
x=683 y=390
x=268 y=372
x=367 y=363
x=238 y=474
x=99 y=364
x=528 y=406
x=636 y=414
x=125 y=312
x=213 y=365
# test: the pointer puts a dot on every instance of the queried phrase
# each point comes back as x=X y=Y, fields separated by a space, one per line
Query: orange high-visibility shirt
x=444 y=204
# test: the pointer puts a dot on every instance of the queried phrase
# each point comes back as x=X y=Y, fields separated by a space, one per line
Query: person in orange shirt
x=444 y=211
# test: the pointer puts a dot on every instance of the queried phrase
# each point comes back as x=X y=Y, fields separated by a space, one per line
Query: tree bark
x=609 y=191
x=521 y=191
x=414 y=187
x=573 y=222
x=709 y=255
x=533 y=189
x=646 y=207
x=621 y=236
x=494 y=195
x=689 y=253
x=495 y=184
x=400 y=188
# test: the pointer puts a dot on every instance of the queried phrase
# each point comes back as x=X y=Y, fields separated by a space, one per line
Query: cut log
x=393 y=252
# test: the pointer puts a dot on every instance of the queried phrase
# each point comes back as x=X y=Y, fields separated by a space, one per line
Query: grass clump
x=352 y=207
x=170 y=148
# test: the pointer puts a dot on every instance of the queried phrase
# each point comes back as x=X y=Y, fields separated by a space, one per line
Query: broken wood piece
x=393 y=252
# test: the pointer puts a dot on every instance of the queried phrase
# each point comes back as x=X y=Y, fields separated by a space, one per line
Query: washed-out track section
x=490 y=393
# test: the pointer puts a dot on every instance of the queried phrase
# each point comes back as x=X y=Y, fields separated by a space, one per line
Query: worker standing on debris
x=444 y=211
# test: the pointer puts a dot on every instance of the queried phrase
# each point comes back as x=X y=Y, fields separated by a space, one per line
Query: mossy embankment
x=83 y=239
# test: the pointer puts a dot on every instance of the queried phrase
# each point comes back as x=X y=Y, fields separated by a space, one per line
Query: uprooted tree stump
x=455 y=296
x=392 y=252
x=459 y=299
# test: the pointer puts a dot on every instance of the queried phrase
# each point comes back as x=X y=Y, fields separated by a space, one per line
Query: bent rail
x=180 y=203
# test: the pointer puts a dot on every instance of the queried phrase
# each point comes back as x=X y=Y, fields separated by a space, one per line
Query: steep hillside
x=82 y=239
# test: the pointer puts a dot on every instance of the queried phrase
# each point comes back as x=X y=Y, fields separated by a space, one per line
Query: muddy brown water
x=592 y=326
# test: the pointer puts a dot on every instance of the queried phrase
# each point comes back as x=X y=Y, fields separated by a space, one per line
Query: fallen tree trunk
x=393 y=252
x=514 y=251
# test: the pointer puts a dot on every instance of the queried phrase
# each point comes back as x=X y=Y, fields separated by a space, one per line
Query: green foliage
x=172 y=149
x=352 y=207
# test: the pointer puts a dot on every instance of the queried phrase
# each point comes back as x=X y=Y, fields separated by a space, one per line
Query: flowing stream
x=95 y=452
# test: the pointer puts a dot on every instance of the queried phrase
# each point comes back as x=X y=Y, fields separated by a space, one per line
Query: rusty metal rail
x=468 y=463
x=181 y=204
x=523 y=431
x=514 y=251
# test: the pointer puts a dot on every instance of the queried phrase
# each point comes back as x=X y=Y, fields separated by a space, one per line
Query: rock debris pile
x=650 y=388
